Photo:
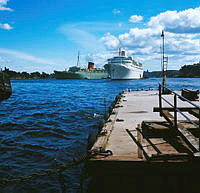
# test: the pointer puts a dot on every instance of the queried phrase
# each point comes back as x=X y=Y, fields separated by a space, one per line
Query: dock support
x=160 y=99
x=175 y=112
x=138 y=144
x=199 y=129
x=139 y=138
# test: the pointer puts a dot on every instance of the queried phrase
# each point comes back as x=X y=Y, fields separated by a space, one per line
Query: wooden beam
x=138 y=144
x=195 y=112
x=156 y=129
x=168 y=116
x=171 y=109
x=189 y=139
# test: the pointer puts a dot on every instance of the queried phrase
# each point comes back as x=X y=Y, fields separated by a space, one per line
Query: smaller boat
x=5 y=86
x=76 y=72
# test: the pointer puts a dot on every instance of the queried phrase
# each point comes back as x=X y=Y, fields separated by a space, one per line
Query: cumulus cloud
x=5 y=26
x=3 y=3
x=182 y=32
x=135 y=18
x=186 y=21
x=116 y=11
x=86 y=34
x=110 y=41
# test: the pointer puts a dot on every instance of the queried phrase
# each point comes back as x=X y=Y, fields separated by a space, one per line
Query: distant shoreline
x=186 y=71
x=89 y=79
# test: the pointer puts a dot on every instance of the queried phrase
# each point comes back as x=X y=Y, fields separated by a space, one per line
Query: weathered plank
x=156 y=129
x=189 y=139
x=190 y=94
x=195 y=112
x=171 y=109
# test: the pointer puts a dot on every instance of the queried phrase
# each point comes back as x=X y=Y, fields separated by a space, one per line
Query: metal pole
x=160 y=99
x=175 y=112
x=199 y=129
x=163 y=62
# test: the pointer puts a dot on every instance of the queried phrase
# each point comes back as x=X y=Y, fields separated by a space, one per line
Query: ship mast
x=164 y=62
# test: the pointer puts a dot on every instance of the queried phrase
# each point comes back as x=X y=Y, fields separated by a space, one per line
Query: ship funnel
x=90 y=65
x=122 y=53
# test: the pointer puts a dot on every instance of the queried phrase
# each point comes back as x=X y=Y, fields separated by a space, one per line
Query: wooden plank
x=189 y=139
x=139 y=138
x=190 y=127
x=138 y=144
x=149 y=141
x=156 y=129
x=190 y=94
x=171 y=109
x=186 y=124
x=195 y=112
x=168 y=116
x=171 y=156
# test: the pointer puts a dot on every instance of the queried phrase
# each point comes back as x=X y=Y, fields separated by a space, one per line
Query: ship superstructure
x=123 y=67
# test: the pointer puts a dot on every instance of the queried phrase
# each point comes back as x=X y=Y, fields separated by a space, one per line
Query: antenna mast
x=78 y=58
x=164 y=63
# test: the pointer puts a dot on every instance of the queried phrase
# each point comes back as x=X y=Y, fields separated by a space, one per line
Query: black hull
x=5 y=86
x=5 y=94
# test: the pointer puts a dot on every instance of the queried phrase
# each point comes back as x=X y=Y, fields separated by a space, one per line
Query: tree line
x=25 y=75
x=190 y=71
x=186 y=71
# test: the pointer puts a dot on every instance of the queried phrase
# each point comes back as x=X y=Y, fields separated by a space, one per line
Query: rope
x=48 y=172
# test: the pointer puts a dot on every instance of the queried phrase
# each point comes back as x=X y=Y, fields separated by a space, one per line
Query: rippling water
x=46 y=122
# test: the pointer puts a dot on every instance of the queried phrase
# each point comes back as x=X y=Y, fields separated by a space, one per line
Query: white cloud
x=110 y=41
x=116 y=11
x=5 y=9
x=135 y=18
x=24 y=56
x=3 y=3
x=5 y=26
x=182 y=44
x=186 y=21
x=86 y=34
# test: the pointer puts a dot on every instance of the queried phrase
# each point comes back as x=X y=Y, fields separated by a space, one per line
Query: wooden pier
x=149 y=143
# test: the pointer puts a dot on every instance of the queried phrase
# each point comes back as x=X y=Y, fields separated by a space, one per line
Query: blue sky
x=46 y=35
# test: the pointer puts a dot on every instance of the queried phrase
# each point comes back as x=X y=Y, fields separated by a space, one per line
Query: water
x=47 y=122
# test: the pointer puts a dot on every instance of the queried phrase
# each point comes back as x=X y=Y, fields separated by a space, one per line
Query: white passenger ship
x=123 y=67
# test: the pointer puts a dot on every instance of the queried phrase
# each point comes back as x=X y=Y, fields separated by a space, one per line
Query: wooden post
x=139 y=138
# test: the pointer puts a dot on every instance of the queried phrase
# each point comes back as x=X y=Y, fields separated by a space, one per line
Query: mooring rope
x=60 y=168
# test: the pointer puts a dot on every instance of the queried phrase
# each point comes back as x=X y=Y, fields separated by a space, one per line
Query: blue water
x=46 y=122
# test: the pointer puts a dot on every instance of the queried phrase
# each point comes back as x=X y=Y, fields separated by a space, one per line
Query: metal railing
x=176 y=109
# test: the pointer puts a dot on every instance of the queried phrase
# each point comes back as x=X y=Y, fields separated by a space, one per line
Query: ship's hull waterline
x=80 y=75
x=123 y=67
x=122 y=72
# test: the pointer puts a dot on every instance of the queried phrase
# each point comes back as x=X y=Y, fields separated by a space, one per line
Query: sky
x=46 y=35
